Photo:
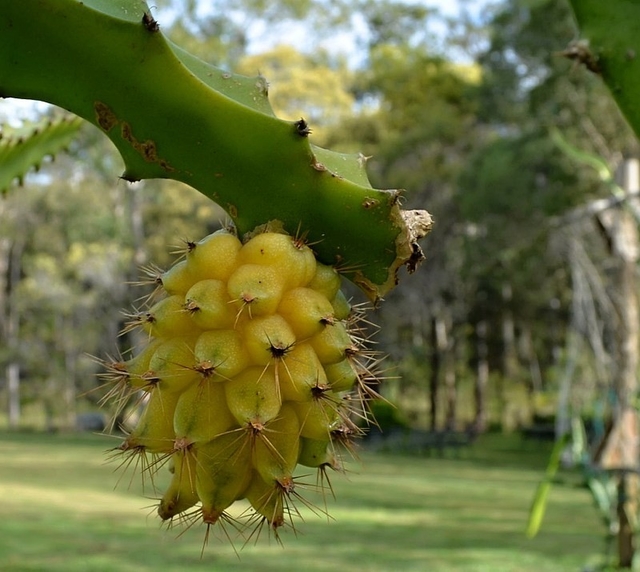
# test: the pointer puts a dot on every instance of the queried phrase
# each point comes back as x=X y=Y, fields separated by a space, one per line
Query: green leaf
x=539 y=504
x=597 y=163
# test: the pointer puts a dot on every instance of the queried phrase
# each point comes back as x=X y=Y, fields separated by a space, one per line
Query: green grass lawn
x=61 y=512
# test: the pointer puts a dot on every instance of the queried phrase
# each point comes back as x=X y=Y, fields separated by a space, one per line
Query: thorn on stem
x=150 y=23
x=302 y=127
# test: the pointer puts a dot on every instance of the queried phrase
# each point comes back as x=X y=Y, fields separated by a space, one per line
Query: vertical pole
x=625 y=243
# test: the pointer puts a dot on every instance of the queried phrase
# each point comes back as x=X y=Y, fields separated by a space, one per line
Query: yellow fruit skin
x=223 y=473
x=341 y=376
x=341 y=306
x=178 y=279
x=208 y=305
x=248 y=358
x=255 y=289
x=326 y=281
x=137 y=366
x=215 y=256
x=318 y=453
x=276 y=447
x=307 y=312
x=202 y=414
x=181 y=493
x=267 y=499
x=299 y=372
x=332 y=343
x=167 y=318
x=280 y=251
x=222 y=350
x=318 y=416
x=310 y=265
x=253 y=396
x=154 y=432
x=173 y=364
x=266 y=337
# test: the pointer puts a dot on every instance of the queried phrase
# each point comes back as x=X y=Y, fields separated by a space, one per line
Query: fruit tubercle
x=255 y=363
x=210 y=129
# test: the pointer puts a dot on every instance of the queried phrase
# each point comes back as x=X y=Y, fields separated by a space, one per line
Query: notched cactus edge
x=23 y=149
x=173 y=116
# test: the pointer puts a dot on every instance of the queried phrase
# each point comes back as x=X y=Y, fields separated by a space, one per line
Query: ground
x=61 y=512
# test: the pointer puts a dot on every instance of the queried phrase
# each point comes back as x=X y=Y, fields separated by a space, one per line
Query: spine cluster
x=255 y=363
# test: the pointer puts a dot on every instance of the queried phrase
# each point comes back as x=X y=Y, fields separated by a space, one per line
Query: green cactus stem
x=173 y=116
x=609 y=45
x=24 y=148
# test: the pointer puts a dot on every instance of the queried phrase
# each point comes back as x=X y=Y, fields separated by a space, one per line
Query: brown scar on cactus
x=146 y=149
x=318 y=166
x=107 y=120
x=105 y=117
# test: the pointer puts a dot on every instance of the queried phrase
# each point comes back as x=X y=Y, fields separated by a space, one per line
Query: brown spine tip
x=302 y=128
x=150 y=23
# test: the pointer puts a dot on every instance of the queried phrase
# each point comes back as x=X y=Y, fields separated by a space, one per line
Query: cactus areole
x=173 y=116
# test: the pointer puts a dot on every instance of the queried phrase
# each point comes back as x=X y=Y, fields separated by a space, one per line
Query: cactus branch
x=173 y=116
x=23 y=149
x=609 y=46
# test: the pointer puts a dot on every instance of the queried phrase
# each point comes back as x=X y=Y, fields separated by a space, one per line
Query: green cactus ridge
x=173 y=116
x=24 y=149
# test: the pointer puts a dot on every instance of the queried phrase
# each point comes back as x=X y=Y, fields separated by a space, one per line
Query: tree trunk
x=509 y=353
x=482 y=377
x=71 y=372
x=436 y=361
x=627 y=501
x=10 y=270
x=450 y=380
x=626 y=388
x=13 y=335
x=136 y=221
x=13 y=394
x=5 y=254
x=64 y=376
x=530 y=356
